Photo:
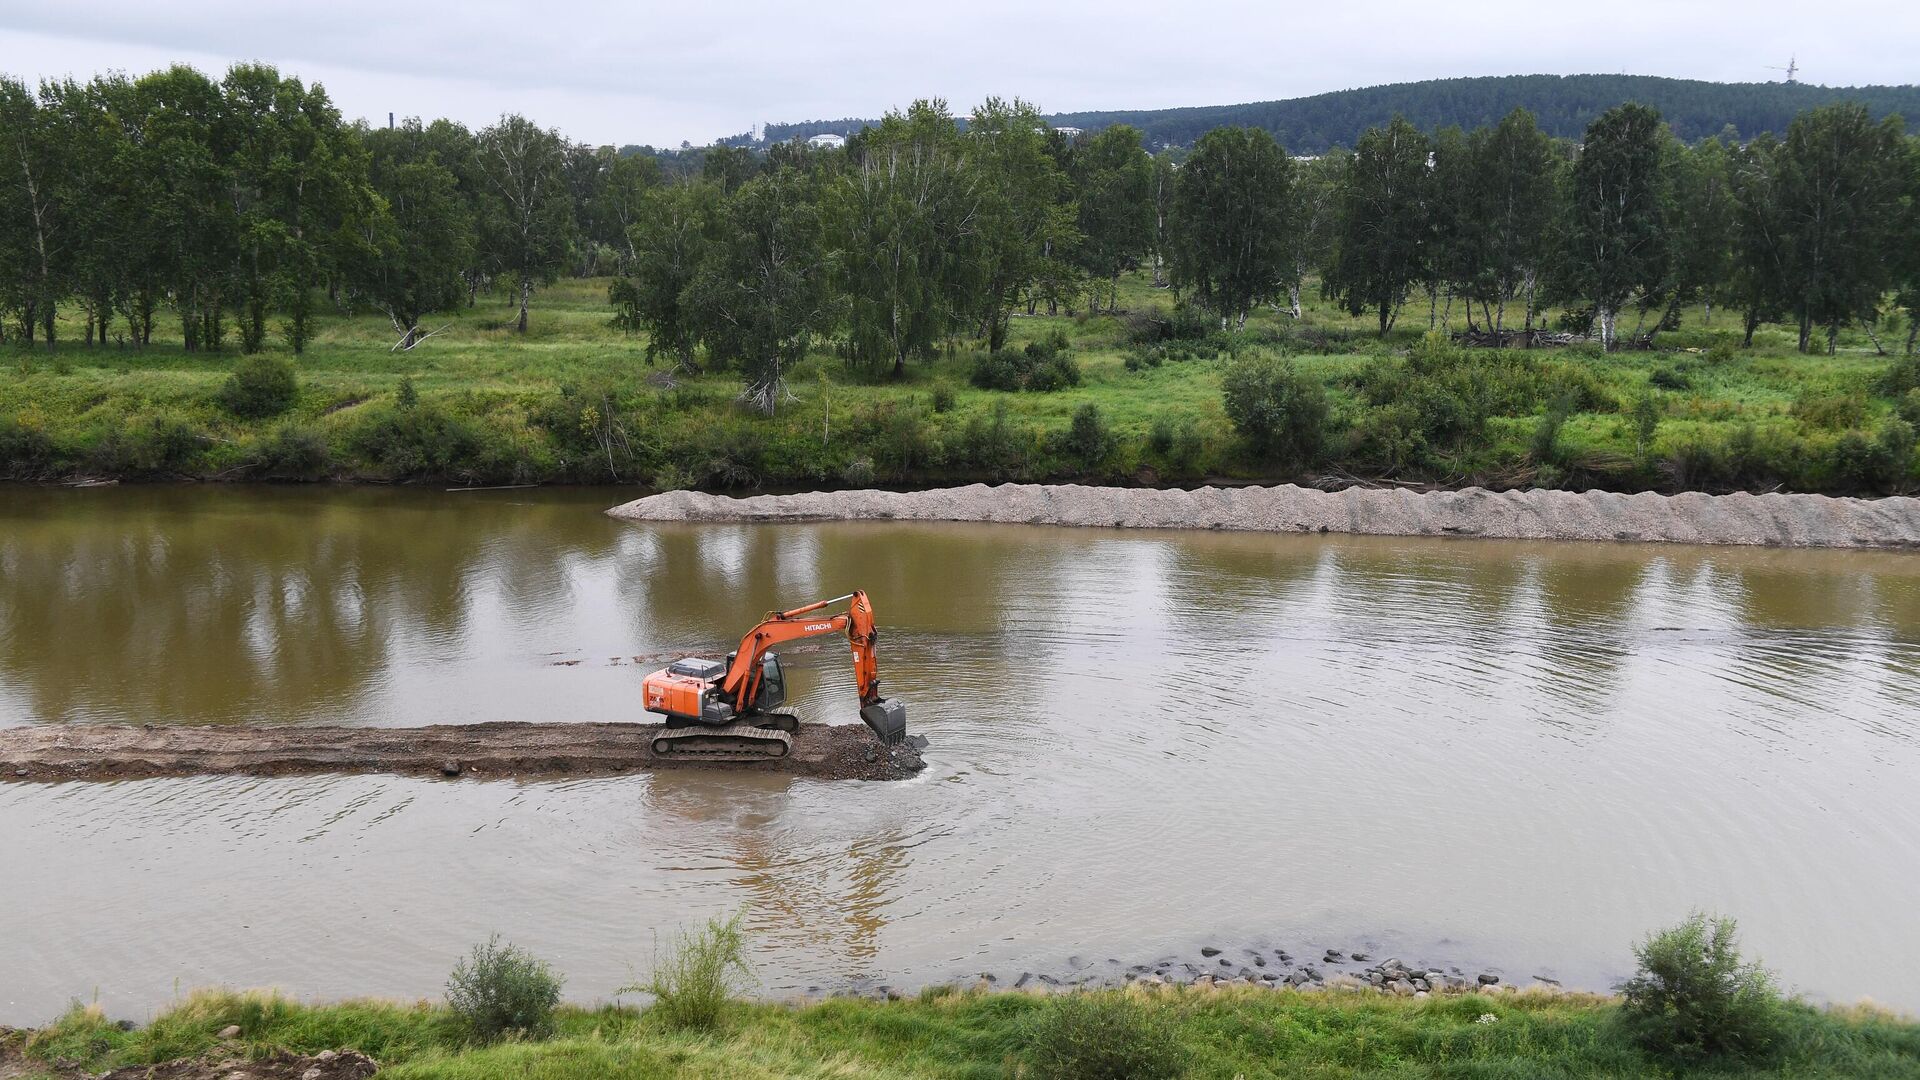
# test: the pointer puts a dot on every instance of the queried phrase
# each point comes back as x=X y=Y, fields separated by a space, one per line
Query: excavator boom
x=734 y=701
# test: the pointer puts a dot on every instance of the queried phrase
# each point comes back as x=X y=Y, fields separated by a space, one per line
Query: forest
x=178 y=215
x=1563 y=106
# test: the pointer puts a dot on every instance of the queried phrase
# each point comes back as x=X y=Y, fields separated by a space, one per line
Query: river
x=1503 y=755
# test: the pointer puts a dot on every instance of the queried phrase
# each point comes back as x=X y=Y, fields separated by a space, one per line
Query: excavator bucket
x=888 y=719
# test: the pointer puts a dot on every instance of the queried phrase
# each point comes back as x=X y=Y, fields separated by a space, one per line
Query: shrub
x=1721 y=353
x=1835 y=412
x=1881 y=461
x=1182 y=323
x=942 y=398
x=1277 y=409
x=700 y=974
x=162 y=443
x=24 y=447
x=1088 y=439
x=1045 y=364
x=1647 y=410
x=1441 y=396
x=858 y=473
x=1901 y=377
x=260 y=386
x=408 y=395
x=1671 y=377
x=994 y=444
x=1100 y=1036
x=1160 y=435
x=1908 y=406
x=1545 y=449
x=421 y=441
x=294 y=453
x=1693 y=997
x=502 y=988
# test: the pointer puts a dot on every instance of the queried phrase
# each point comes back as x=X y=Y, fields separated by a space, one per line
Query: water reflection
x=1138 y=738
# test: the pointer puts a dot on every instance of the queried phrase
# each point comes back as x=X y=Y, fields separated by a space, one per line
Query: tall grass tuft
x=699 y=975
x=1101 y=1036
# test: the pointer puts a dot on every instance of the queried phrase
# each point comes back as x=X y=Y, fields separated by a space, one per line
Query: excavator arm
x=741 y=685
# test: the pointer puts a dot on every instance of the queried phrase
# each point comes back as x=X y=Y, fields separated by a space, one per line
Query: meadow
x=575 y=400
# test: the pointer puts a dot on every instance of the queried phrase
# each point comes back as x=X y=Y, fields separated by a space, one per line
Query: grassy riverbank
x=1225 y=1033
x=575 y=400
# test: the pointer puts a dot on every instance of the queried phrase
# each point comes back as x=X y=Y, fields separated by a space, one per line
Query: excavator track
x=738 y=741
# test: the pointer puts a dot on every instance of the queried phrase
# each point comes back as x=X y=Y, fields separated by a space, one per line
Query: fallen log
x=524 y=751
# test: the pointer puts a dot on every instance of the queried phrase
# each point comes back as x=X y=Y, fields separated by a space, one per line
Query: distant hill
x=1563 y=104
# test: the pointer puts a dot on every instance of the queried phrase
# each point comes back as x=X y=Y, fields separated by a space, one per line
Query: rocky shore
x=1773 y=520
x=1221 y=967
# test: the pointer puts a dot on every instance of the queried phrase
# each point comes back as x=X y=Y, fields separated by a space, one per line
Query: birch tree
x=1231 y=222
x=1618 y=243
x=526 y=210
x=1383 y=233
x=1841 y=179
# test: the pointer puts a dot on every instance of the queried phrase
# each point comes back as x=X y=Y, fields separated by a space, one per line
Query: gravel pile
x=1686 y=518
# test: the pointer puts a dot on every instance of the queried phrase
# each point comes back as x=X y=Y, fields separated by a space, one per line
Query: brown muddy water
x=1517 y=756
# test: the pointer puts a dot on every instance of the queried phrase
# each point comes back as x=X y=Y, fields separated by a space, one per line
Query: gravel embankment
x=1687 y=518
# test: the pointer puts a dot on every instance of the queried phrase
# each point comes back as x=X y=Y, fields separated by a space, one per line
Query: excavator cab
x=773 y=684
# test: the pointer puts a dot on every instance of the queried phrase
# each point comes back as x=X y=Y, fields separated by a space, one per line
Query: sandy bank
x=49 y=752
x=1687 y=518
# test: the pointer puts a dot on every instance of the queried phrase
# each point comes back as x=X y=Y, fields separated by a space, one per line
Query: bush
x=995 y=445
x=260 y=386
x=1647 y=409
x=1184 y=322
x=294 y=453
x=1671 y=377
x=1087 y=439
x=1100 y=1036
x=1045 y=364
x=942 y=398
x=422 y=441
x=700 y=974
x=1834 y=412
x=1277 y=409
x=1440 y=396
x=24 y=448
x=1545 y=449
x=162 y=444
x=1862 y=463
x=1901 y=377
x=1693 y=997
x=502 y=988
x=1160 y=435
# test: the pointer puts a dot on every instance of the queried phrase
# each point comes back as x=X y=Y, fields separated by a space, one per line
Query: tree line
x=231 y=202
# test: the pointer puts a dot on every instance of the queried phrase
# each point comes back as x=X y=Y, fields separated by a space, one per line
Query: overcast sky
x=648 y=72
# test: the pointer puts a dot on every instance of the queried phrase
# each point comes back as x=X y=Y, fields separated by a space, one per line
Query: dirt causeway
x=1692 y=517
x=53 y=752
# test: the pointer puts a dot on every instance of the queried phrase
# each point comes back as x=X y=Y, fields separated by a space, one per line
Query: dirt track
x=53 y=752
x=1688 y=518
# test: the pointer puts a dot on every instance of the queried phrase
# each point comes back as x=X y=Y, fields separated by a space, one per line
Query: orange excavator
x=728 y=710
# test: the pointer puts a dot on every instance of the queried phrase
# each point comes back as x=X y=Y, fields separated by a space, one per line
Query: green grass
x=576 y=401
x=1225 y=1034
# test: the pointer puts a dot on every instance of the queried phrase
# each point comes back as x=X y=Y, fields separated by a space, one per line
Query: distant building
x=1069 y=132
x=827 y=142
